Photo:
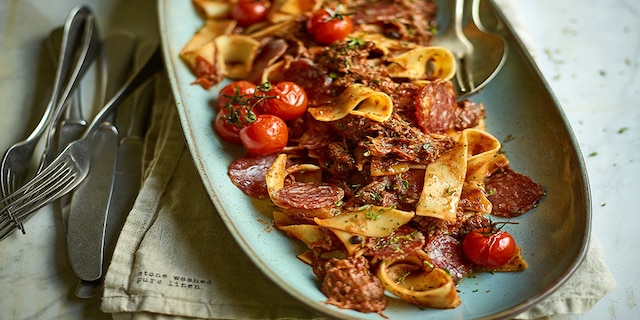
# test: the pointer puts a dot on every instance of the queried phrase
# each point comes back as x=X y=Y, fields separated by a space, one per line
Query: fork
x=71 y=166
x=454 y=39
x=78 y=33
x=50 y=184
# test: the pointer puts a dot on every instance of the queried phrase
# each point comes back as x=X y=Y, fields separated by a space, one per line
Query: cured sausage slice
x=512 y=193
x=436 y=107
x=446 y=252
x=249 y=172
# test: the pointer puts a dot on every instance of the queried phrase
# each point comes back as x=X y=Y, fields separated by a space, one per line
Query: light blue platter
x=521 y=112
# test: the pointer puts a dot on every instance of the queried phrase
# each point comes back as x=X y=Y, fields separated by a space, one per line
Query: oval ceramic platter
x=521 y=112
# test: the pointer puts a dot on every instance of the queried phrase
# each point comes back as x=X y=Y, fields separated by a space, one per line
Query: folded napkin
x=176 y=259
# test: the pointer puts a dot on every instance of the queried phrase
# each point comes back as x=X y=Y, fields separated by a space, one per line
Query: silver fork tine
x=55 y=181
x=464 y=78
x=17 y=201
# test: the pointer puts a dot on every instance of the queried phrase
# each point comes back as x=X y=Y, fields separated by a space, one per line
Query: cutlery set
x=93 y=169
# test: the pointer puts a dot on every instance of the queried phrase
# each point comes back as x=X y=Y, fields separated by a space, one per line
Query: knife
x=131 y=121
x=89 y=203
x=72 y=124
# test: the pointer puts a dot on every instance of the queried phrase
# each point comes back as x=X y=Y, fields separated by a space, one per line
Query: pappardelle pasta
x=354 y=133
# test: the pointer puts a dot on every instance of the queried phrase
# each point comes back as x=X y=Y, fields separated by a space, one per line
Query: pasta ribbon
x=213 y=8
x=345 y=238
x=517 y=263
x=482 y=150
x=288 y=9
x=358 y=100
x=383 y=43
x=458 y=171
x=201 y=44
x=280 y=29
x=238 y=53
x=412 y=280
x=372 y=221
x=443 y=180
x=312 y=235
x=430 y=62
x=276 y=175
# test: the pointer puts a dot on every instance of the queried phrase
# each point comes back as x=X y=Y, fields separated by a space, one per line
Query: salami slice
x=446 y=252
x=248 y=173
x=512 y=193
x=436 y=107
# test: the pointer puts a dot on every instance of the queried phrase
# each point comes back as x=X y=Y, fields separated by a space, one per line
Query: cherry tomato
x=267 y=135
x=230 y=120
x=288 y=101
x=328 y=26
x=234 y=91
x=489 y=247
x=248 y=12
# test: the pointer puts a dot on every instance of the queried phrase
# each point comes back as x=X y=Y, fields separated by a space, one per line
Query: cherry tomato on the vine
x=489 y=247
x=248 y=12
x=328 y=25
x=267 y=135
x=230 y=120
x=286 y=100
x=234 y=92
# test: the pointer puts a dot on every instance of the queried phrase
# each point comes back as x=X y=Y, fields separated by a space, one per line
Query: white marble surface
x=589 y=54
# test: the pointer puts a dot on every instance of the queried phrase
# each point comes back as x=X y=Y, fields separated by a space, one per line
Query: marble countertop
x=588 y=53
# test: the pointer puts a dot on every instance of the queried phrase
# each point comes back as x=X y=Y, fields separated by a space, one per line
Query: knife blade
x=90 y=201
x=131 y=121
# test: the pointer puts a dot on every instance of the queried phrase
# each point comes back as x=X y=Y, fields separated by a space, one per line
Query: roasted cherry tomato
x=286 y=100
x=248 y=12
x=267 y=135
x=328 y=26
x=489 y=247
x=235 y=91
x=230 y=120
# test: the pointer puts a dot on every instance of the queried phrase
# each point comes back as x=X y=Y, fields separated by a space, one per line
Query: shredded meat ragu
x=349 y=284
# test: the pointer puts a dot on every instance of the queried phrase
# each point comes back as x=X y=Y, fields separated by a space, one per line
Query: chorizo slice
x=511 y=193
x=248 y=173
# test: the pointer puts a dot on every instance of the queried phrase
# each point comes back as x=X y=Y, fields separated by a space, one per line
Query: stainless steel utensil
x=479 y=54
x=90 y=202
x=490 y=50
x=70 y=167
x=72 y=124
x=131 y=120
x=454 y=39
x=79 y=48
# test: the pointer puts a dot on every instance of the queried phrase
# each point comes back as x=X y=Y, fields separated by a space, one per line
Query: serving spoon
x=479 y=53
